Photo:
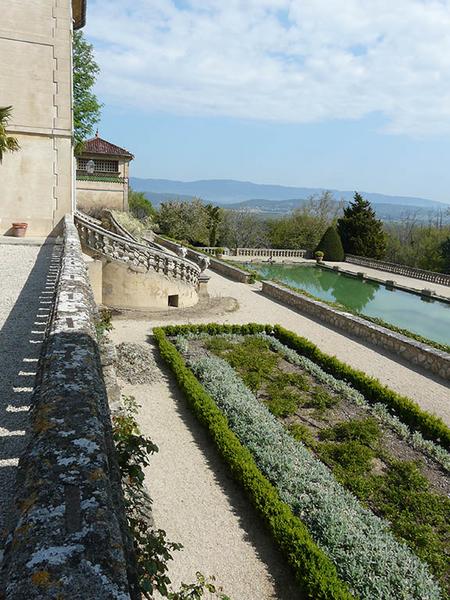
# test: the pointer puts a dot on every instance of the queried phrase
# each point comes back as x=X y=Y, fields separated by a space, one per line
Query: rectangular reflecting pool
x=426 y=317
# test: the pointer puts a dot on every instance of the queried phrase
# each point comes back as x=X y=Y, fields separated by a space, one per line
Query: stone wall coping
x=418 y=353
x=407 y=271
x=69 y=539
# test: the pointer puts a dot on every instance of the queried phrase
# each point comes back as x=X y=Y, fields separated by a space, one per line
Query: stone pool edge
x=410 y=350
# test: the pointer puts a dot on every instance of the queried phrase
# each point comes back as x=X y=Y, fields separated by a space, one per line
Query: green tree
x=331 y=245
x=445 y=253
x=360 y=231
x=140 y=206
x=186 y=221
x=214 y=217
x=86 y=107
x=8 y=143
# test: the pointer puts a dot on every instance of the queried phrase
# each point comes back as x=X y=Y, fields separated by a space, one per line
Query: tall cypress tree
x=361 y=232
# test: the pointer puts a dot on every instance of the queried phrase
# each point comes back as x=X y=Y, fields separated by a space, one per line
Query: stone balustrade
x=140 y=256
x=215 y=265
x=269 y=253
x=431 y=276
x=214 y=250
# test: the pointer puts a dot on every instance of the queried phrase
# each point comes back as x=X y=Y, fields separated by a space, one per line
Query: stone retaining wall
x=406 y=348
x=431 y=276
x=69 y=539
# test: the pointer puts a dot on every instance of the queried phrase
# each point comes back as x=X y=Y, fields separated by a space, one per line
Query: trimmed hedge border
x=407 y=410
x=314 y=571
x=430 y=426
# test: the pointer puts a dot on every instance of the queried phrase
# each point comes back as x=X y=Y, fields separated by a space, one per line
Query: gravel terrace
x=194 y=500
x=431 y=393
x=27 y=277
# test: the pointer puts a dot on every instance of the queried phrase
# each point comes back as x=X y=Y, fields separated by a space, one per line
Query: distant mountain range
x=277 y=200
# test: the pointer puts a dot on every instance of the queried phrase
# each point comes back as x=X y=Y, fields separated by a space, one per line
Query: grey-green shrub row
x=315 y=572
x=378 y=410
x=364 y=551
x=431 y=427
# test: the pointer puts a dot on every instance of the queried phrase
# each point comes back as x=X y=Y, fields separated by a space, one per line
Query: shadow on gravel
x=255 y=530
x=21 y=337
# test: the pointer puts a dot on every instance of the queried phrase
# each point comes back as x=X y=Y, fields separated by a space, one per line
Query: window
x=101 y=166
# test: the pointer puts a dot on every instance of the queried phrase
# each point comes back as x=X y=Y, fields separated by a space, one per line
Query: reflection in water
x=424 y=316
x=350 y=292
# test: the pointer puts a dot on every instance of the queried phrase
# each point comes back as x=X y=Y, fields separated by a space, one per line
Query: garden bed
x=378 y=509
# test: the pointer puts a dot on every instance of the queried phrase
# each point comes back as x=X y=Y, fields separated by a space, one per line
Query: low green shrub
x=331 y=246
x=301 y=433
x=315 y=572
x=366 y=431
x=407 y=410
x=321 y=400
x=353 y=537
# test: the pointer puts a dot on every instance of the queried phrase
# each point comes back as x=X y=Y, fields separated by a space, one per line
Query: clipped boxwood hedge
x=430 y=426
x=407 y=410
x=314 y=571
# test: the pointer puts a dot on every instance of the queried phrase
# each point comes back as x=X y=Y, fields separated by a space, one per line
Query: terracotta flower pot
x=19 y=229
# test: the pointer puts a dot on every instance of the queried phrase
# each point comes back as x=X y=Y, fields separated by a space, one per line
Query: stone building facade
x=102 y=176
x=37 y=183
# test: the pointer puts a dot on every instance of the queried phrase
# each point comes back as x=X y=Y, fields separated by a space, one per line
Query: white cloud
x=297 y=61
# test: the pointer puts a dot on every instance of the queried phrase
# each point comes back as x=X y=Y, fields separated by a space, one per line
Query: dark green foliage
x=321 y=400
x=302 y=433
x=315 y=572
x=282 y=402
x=366 y=431
x=8 y=143
x=352 y=450
x=360 y=231
x=417 y=515
x=331 y=245
x=214 y=217
x=140 y=207
x=86 y=107
x=253 y=360
x=444 y=250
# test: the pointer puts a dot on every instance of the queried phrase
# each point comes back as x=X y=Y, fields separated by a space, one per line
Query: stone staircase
x=136 y=275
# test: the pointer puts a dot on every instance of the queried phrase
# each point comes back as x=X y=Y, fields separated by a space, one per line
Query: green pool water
x=426 y=317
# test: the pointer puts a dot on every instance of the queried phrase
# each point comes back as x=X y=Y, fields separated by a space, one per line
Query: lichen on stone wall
x=69 y=540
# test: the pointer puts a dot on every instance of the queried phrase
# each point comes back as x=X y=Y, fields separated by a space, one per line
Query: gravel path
x=198 y=505
x=25 y=275
x=194 y=500
x=430 y=393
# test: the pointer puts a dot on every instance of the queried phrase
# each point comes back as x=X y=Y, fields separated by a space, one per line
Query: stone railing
x=371 y=263
x=139 y=256
x=408 y=349
x=214 y=250
x=215 y=265
x=70 y=538
x=269 y=253
x=110 y=223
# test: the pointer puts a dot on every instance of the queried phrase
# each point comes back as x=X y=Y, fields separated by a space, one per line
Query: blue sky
x=345 y=94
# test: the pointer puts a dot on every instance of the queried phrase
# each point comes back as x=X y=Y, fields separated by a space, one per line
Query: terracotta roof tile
x=98 y=146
